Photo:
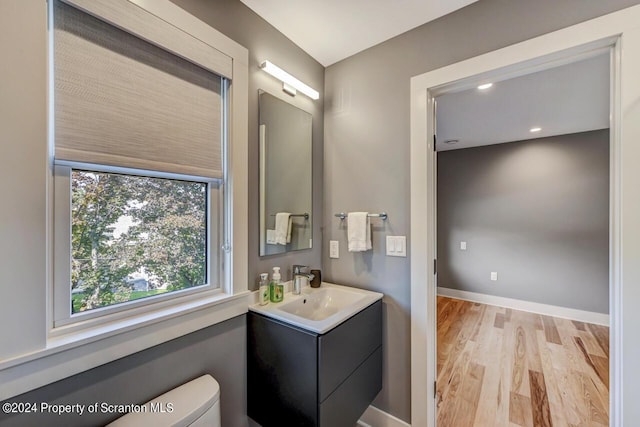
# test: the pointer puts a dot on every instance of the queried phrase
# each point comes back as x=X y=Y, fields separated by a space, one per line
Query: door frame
x=618 y=31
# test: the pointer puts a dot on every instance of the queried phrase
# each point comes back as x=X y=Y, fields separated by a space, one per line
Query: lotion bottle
x=275 y=287
x=264 y=289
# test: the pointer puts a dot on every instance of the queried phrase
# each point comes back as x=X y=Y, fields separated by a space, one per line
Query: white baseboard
x=533 y=307
x=374 y=417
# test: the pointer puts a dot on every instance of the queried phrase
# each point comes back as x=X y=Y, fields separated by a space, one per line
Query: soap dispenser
x=275 y=287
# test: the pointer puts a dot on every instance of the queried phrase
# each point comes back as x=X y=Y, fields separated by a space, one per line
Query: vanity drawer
x=346 y=347
x=351 y=399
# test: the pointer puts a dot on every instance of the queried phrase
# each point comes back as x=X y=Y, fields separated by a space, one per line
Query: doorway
x=523 y=249
x=524 y=58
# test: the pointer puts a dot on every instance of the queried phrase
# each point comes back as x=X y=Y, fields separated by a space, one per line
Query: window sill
x=69 y=354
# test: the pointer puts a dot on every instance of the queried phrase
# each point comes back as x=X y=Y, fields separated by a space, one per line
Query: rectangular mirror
x=285 y=176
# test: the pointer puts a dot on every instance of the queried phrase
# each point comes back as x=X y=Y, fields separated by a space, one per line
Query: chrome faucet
x=299 y=277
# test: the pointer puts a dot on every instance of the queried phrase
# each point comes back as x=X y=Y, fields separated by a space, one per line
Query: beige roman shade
x=121 y=100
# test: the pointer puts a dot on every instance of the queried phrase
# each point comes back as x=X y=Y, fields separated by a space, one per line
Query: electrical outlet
x=334 y=249
x=494 y=276
x=463 y=246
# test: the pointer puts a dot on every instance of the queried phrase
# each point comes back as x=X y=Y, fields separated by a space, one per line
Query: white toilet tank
x=196 y=404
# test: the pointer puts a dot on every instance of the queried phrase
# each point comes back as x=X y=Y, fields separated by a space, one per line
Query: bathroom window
x=135 y=237
x=135 y=90
x=130 y=239
x=139 y=156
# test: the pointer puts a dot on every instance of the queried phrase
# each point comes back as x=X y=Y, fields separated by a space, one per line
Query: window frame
x=64 y=319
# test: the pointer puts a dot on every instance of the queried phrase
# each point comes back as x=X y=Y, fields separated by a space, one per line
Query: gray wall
x=367 y=146
x=536 y=211
x=236 y=21
x=366 y=154
x=219 y=350
x=23 y=136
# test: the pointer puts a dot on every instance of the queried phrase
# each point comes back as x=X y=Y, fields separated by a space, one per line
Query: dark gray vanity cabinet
x=300 y=378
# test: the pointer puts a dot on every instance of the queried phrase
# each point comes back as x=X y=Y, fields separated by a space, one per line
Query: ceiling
x=331 y=30
x=567 y=99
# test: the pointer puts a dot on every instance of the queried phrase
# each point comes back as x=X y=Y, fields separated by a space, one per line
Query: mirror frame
x=264 y=216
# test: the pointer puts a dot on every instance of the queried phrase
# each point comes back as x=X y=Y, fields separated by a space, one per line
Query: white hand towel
x=359 y=231
x=283 y=228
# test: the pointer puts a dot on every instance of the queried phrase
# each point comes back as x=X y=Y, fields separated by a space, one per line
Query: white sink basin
x=319 y=309
x=322 y=303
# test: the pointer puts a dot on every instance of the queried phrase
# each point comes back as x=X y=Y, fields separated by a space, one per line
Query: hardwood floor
x=503 y=367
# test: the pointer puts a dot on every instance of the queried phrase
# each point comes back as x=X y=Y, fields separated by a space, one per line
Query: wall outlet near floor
x=334 y=249
x=463 y=246
x=494 y=275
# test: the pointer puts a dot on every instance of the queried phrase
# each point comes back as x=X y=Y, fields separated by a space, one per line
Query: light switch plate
x=334 y=249
x=494 y=276
x=463 y=246
x=397 y=246
x=391 y=245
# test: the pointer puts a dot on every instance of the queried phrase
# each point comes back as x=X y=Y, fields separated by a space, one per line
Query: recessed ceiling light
x=485 y=86
x=534 y=130
x=451 y=141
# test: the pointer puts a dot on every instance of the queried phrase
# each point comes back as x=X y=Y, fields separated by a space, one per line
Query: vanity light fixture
x=485 y=86
x=535 y=129
x=289 y=83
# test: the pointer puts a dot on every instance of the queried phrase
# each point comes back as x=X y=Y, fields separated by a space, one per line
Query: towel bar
x=305 y=215
x=382 y=215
